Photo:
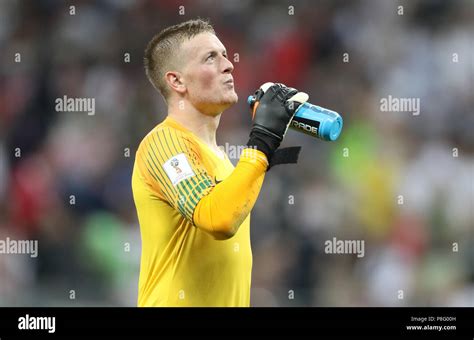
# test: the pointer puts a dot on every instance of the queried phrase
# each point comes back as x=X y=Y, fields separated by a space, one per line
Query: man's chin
x=222 y=105
x=235 y=99
x=231 y=100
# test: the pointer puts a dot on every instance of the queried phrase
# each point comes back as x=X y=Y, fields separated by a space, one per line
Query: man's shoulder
x=164 y=134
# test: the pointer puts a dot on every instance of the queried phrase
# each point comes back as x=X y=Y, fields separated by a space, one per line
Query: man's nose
x=228 y=67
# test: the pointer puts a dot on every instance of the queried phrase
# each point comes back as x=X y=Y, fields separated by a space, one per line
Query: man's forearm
x=223 y=210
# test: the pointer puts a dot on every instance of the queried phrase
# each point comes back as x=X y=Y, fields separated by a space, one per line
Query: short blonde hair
x=161 y=50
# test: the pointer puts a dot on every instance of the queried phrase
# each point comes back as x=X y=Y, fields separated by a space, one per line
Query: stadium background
x=89 y=251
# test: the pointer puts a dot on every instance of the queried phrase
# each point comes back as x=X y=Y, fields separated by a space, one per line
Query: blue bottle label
x=317 y=122
x=307 y=126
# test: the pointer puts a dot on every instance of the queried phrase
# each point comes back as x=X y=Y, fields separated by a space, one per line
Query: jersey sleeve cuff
x=254 y=156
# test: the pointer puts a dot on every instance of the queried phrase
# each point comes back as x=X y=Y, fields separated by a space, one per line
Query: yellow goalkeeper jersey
x=182 y=265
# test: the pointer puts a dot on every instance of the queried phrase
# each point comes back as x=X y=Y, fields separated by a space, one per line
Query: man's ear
x=174 y=80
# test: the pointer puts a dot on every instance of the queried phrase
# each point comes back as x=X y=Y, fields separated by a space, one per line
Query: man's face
x=207 y=74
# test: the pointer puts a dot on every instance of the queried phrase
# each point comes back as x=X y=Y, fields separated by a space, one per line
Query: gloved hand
x=273 y=107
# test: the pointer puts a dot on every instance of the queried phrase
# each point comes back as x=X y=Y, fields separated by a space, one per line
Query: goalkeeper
x=193 y=206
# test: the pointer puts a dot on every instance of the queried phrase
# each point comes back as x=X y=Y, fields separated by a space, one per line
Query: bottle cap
x=251 y=100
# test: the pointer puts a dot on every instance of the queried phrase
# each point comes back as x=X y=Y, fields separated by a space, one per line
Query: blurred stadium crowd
x=400 y=182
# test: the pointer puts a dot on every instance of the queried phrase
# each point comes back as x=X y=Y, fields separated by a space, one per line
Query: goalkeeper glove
x=274 y=106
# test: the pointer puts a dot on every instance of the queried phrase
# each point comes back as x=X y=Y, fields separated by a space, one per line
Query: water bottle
x=314 y=120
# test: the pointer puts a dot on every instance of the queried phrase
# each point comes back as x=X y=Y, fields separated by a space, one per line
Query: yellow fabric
x=230 y=202
x=181 y=264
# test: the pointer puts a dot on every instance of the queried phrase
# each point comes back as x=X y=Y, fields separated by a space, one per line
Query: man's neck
x=201 y=125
